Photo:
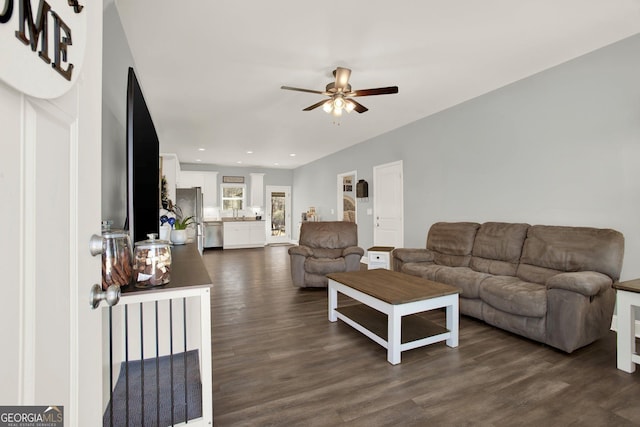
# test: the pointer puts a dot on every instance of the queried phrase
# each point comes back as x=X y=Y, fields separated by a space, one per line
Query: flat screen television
x=143 y=151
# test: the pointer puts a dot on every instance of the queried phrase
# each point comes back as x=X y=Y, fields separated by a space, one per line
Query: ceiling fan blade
x=377 y=91
x=358 y=107
x=342 y=77
x=303 y=90
x=316 y=105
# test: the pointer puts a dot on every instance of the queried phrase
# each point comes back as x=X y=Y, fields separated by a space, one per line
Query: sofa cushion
x=324 y=265
x=329 y=234
x=452 y=242
x=535 y=274
x=512 y=295
x=462 y=277
x=326 y=253
x=569 y=249
x=497 y=248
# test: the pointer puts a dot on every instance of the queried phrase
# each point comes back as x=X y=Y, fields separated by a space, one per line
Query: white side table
x=379 y=257
x=627 y=299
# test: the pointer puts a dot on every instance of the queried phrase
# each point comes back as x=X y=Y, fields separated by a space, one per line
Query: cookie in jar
x=116 y=258
x=152 y=262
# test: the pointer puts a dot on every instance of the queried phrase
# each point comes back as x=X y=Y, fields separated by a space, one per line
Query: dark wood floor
x=277 y=360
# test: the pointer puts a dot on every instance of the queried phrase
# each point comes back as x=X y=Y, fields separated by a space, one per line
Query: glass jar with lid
x=117 y=257
x=152 y=262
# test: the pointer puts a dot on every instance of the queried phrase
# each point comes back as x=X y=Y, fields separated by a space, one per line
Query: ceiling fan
x=340 y=94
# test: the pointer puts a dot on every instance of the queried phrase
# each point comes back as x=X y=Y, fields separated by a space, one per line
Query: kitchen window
x=233 y=196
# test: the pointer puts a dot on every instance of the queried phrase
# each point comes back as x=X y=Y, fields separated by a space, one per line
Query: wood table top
x=629 y=285
x=393 y=287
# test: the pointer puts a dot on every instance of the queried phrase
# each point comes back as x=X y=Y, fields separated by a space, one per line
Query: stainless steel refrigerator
x=189 y=200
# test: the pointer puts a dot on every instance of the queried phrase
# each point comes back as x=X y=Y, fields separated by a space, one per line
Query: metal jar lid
x=153 y=243
x=115 y=234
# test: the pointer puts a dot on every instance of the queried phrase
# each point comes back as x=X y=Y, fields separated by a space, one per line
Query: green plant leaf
x=182 y=224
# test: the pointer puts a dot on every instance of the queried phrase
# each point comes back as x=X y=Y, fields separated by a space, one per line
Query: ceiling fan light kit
x=340 y=94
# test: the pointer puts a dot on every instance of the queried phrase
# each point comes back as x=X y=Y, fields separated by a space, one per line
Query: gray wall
x=116 y=60
x=560 y=147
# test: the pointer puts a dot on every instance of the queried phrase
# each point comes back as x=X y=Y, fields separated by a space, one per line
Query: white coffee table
x=387 y=297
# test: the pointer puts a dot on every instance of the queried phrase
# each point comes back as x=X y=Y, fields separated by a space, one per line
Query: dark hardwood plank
x=277 y=360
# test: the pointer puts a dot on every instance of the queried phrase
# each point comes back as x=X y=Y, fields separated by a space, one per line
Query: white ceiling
x=211 y=71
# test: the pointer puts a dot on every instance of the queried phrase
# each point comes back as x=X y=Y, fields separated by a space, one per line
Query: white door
x=50 y=190
x=388 y=212
x=278 y=214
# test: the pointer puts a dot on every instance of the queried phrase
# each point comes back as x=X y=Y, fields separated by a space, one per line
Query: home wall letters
x=44 y=28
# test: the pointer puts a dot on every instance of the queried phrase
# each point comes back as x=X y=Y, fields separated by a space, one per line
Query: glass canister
x=117 y=257
x=152 y=262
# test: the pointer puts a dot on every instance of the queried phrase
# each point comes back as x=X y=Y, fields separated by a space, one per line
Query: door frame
x=340 y=194
x=267 y=214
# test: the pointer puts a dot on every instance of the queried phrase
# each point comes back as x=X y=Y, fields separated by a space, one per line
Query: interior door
x=388 y=215
x=278 y=214
x=50 y=189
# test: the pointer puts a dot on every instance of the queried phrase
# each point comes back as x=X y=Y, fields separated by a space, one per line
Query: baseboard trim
x=614 y=323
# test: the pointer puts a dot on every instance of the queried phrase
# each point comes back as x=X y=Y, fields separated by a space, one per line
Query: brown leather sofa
x=324 y=247
x=551 y=284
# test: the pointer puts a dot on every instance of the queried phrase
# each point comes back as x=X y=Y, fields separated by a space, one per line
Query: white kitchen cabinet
x=210 y=190
x=206 y=180
x=189 y=179
x=257 y=190
x=243 y=234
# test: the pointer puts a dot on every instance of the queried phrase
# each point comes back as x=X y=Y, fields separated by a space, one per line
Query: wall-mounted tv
x=143 y=151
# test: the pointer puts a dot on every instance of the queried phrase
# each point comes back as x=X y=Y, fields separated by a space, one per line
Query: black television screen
x=143 y=151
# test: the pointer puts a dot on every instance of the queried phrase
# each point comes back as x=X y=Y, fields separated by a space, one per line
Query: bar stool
x=627 y=299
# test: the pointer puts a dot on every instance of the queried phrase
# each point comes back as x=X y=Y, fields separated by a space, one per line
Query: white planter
x=178 y=237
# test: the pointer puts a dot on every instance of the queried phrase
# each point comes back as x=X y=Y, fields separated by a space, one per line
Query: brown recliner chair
x=325 y=247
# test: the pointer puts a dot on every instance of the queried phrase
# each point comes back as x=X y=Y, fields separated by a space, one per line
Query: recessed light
x=276 y=164
x=201 y=149
x=239 y=161
x=198 y=160
x=249 y=152
x=292 y=154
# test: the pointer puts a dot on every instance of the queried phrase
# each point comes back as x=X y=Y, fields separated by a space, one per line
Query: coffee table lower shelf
x=416 y=331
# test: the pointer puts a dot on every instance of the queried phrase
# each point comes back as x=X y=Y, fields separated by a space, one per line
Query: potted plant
x=180 y=224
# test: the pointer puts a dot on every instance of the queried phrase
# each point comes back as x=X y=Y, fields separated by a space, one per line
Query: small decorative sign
x=42 y=44
x=233 y=179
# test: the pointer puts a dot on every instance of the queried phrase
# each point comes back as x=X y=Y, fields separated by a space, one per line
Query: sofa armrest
x=587 y=283
x=353 y=250
x=305 y=251
x=413 y=255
